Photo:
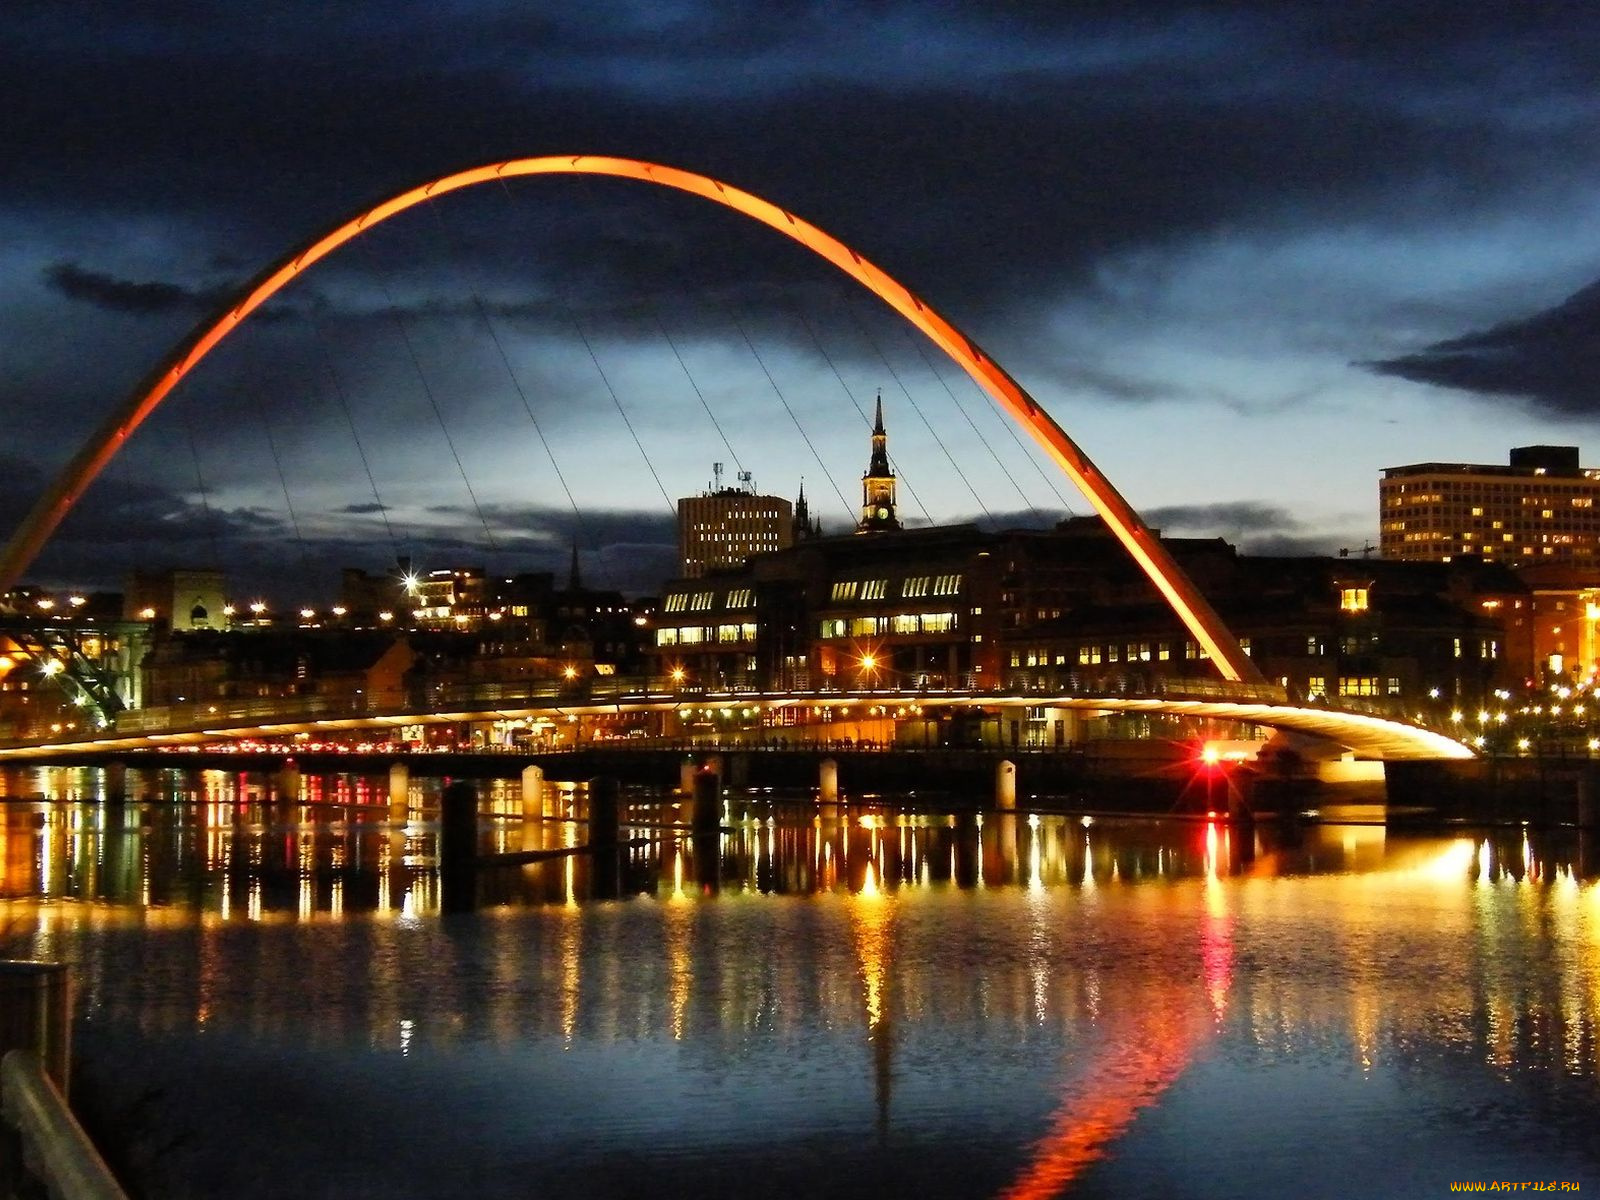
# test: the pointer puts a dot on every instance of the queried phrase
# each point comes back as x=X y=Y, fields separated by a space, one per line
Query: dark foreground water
x=871 y=1004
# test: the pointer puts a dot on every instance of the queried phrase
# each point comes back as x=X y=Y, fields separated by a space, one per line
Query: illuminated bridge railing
x=486 y=700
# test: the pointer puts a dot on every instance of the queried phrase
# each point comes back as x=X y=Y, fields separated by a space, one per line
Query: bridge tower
x=877 y=485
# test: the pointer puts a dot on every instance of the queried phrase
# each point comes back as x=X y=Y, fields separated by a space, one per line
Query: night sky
x=1246 y=254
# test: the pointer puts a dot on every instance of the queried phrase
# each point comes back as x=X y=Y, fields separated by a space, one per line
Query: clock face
x=882 y=512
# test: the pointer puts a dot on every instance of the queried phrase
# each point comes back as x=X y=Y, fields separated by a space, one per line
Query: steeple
x=802 y=526
x=879 y=466
x=878 y=484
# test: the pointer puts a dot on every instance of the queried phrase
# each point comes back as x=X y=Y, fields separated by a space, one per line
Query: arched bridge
x=1368 y=734
x=1371 y=735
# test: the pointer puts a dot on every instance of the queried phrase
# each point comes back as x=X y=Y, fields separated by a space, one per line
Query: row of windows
x=694 y=635
x=703 y=601
x=913 y=588
x=1354 y=685
x=906 y=624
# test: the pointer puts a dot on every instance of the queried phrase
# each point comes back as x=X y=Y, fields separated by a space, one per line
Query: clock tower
x=877 y=485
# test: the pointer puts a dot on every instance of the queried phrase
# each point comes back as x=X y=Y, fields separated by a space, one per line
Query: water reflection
x=1042 y=978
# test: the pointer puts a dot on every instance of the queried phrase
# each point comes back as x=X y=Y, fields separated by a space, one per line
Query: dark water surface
x=874 y=1003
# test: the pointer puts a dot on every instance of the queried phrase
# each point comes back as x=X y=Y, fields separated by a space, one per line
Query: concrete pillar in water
x=1240 y=809
x=458 y=847
x=1584 y=814
x=289 y=781
x=1005 y=784
x=968 y=845
x=116 y=779
x=532 y=792
x=707 y=801
x=605 y=811
x=828 y=781
x=399 y=791
x=605 y=816
x=686 y=770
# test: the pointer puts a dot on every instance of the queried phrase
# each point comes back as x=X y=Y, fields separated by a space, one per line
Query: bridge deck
x=1367 y=733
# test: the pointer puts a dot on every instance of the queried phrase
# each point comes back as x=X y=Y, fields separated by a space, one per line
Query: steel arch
x=1141 y=543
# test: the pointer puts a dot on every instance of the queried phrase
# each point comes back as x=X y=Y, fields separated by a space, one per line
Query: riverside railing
x=45 y=1147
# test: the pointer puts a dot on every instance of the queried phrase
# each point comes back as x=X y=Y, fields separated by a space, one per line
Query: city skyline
x=1233 y=254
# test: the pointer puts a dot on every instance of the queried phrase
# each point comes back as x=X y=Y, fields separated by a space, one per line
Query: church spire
x=878 y=484
x=879 y=466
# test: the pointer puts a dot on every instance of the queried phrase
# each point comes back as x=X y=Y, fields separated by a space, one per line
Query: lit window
x=1353 y=599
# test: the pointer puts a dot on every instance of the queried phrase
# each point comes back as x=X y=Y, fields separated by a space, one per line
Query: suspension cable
x=416 y=364
x=895 y=375
x=1009 y=426
x=861 y=411
x=210 y=518
x=283 y=482
x=505 y=360
x=577 y=326
x=655 y=316
x=778 y=392
x=349 y=419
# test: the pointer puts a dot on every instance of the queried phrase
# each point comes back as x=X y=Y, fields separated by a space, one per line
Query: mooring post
x=1005 y=784
x=399 y=791
x=458 y=847
x=532 y=792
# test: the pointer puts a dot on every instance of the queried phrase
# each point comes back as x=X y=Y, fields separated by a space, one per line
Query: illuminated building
x=180 y=599
x=1538 y=509
x=1066 y=609
x=723 y=526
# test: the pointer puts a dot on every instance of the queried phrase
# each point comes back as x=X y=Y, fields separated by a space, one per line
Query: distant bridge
x=1368 y=734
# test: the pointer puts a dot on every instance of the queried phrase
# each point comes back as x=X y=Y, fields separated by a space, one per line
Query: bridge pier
x=1005 y=784
x=686 y=772
x=828 y=781
x=458 y=847
x=707 y=816
x=116 y=782
x=288 y=789
x=532 y=792
x=399 y=792
x=605 y=810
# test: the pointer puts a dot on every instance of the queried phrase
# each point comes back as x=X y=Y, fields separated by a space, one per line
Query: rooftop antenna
x=747 y=482
x=716 y=476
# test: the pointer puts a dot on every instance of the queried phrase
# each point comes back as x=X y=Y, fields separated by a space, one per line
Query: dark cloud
x=125 y=525
x=123 y=295
x=1251 y=526
x=1550 y=360
x=995 y=158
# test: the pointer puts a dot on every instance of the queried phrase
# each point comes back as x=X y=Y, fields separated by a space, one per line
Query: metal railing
x=45 y=1143
x=431 y=700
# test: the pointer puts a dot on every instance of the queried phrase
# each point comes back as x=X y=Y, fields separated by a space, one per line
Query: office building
x=723 y=526
x=1538 y=509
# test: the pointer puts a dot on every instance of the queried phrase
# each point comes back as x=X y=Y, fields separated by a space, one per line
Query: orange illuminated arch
x=1186 y=601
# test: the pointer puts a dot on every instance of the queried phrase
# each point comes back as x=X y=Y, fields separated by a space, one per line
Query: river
x=875 y=1001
